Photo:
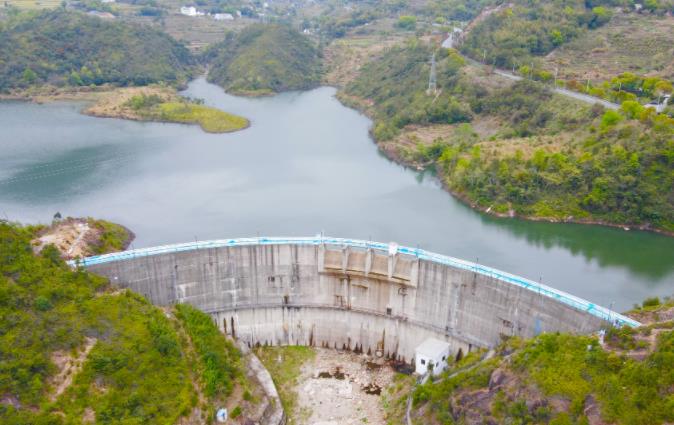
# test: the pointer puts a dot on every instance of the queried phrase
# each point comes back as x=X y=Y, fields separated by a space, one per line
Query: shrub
x=407 y=22
x=651 y=302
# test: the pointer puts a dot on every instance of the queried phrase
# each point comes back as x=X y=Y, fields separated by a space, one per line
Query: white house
x=188 y=10
x=223 y=17
x=431 y=353
x=191 y=11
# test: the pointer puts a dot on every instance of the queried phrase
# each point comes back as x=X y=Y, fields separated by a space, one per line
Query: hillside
x=69 y=48
x=526 y=152
x=394 y=85
x=642 y=44
x=75 y=350
x=622 y=378
x=264 y=59
x=514 y=33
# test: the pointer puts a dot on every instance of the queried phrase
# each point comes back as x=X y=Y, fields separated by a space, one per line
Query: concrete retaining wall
x=368 y=296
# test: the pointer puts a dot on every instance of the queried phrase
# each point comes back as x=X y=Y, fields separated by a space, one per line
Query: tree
x=600 y=16
x=557 y=37
x=407 y=22
x=74 y=79
x=610 y=118
x=631 y=108
x=29 y=76
x=663 y=87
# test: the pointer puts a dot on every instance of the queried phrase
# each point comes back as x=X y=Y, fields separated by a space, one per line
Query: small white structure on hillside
x=660 y=105
x=432 y=353
x=191 y=11
x=223 y=17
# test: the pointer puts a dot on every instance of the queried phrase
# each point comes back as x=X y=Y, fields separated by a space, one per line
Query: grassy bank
x=285 y=372
x=210 y=119
x=163 y=104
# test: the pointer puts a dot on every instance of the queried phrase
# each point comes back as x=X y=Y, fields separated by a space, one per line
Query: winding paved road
x=449 y=43
x=564 y=92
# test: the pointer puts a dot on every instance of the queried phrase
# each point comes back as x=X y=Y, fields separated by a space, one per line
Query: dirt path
x=69 y=366
x=341 y=388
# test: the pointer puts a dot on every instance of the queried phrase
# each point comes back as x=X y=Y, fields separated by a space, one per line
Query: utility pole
x=484 y=56
x=432 y=82
x=556 y=72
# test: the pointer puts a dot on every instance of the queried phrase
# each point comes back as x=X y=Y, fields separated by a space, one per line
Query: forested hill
x=264 y=59
x=65 y=47
x=516 y=148
x=513 y=33
x=75 y=350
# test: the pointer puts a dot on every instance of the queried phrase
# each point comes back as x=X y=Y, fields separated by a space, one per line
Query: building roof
x=432 y=347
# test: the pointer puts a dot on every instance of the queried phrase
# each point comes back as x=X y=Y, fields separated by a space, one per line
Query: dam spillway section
x=344 y=293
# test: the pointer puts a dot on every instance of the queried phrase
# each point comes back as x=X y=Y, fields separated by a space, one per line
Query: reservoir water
x=306 y=165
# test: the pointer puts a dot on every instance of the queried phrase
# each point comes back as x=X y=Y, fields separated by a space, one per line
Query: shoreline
x=130 y=117
x=390 y=153
x=110 y=102
x=464 y=199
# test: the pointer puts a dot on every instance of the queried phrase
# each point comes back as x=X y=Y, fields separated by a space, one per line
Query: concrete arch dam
x=344 y=293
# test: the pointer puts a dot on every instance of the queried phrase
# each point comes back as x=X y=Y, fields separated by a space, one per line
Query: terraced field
x=32 y=4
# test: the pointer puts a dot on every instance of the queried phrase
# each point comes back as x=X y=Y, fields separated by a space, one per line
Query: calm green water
x=306 y=165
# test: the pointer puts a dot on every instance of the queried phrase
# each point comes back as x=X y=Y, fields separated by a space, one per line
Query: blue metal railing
x=560 y=296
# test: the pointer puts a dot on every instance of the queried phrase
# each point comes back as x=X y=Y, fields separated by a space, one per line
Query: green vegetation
x=68 y=48
x=519 y=383
x=336 y=26
x=128 y=363
x=219 y=360
x=286 y=372
x=511 y=35
x=113 y=237
x=394 y=399
x=407 y=22
x=454 y=10
x=399 y=96
x=550 y=158
x=264 y=59
x=212 y=120
x=627 y=86
x=616 y=169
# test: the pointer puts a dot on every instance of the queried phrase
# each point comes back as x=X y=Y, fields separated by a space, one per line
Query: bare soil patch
x=70 y=236
x=69 y=364
x=339 y=388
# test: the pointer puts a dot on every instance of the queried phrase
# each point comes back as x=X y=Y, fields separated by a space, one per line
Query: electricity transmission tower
x=432 y=83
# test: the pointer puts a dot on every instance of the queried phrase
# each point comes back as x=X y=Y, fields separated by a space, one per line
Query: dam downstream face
x=356 y=295
x=306 y=165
